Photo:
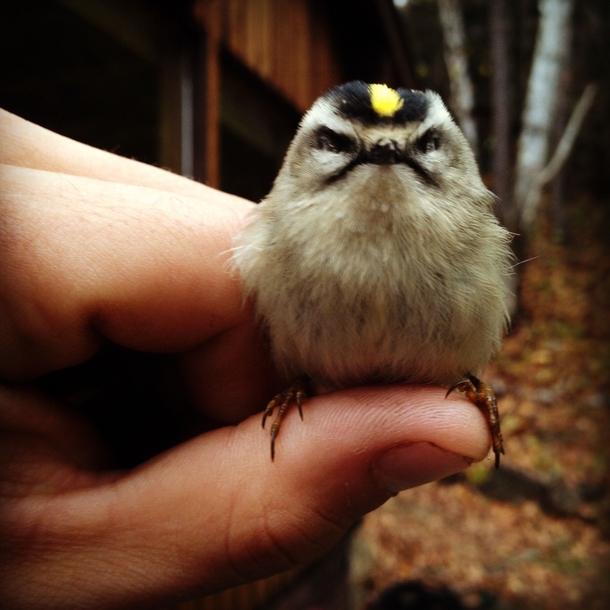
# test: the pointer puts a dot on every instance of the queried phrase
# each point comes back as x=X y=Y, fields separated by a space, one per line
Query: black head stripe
x=353 y=100
x=415 y=107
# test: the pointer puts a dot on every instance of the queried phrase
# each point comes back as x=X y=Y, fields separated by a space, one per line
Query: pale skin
x=95 y=247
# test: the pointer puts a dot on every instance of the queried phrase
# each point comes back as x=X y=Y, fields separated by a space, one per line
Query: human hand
x=90 y=257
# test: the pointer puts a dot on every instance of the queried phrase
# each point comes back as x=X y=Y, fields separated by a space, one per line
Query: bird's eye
x=429 y=142
x=327 y=139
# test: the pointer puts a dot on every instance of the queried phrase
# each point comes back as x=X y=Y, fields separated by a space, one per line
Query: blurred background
x=214 y=90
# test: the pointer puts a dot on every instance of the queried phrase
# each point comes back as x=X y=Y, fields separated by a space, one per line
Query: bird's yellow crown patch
x=385 y=101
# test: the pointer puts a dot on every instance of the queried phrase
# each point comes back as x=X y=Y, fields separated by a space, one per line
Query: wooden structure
x=211 y=89
x=294 y=47
x=284 y=43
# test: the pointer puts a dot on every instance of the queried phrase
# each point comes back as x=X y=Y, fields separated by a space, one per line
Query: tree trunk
x=462 y=96
x=558 y=215
x=552 y=44
x=501 y=103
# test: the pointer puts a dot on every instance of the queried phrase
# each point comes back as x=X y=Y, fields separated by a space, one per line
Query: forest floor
x=536 y=532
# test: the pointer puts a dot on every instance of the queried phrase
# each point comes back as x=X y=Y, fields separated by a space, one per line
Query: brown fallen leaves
x=537 y=535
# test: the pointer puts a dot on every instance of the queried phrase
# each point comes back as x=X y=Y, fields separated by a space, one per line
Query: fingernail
x=414 y=464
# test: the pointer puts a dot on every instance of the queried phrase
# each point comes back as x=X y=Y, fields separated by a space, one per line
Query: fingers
x=231 y=376
x=27 y=145
x=44 y=448
x=217 y=512
x=85 y=260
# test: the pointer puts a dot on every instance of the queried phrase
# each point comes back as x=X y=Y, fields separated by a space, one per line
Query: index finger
x=25 y=144
x=85 y=260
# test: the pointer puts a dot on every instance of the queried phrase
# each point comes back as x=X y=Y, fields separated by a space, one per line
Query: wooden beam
x=208 y=14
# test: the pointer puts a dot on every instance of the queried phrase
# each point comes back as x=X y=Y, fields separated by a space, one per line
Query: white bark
x=552 y=45
x=462 y=95
x=569 y=135
x=562 y=151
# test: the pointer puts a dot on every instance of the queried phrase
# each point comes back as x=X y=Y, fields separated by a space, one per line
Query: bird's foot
x=481 y=395
x=297 y=392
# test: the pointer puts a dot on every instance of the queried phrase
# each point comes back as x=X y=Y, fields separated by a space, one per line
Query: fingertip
x=221 y=500
x=357 y=447
x=413 y=464
x=378 y=417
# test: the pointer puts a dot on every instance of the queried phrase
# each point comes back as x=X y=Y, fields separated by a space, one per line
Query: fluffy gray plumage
x=369 y=268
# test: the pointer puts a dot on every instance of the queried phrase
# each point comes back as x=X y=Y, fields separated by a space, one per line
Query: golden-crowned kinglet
x=376 y=256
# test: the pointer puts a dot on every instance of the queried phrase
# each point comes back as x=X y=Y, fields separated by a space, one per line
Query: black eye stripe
x=344 y=170
x=422 y=173
x=429 y=142
x=327 y=139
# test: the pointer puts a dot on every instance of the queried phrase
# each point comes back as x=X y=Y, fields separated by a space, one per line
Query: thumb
x=216 y=512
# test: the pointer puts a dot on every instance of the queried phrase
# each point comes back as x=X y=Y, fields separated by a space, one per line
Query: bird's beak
x=384 y=153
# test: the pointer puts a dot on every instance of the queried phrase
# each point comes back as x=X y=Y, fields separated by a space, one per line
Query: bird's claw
x=295 y=393
x=482 y=396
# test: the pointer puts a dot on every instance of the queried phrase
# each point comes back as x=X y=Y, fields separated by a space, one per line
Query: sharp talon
x=462 y=386
x=482 y=396
x=271 y=406
x=273 y=437
x=296 y=393
x=267 y=413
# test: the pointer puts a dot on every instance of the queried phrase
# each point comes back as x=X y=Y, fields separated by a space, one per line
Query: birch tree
x=519 y=206
x=552 y=45
x=462 y=94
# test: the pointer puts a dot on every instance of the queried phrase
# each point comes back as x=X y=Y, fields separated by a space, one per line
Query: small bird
x=376 y=257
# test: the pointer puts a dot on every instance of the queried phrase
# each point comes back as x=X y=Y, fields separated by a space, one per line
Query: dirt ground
x=536 y=533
